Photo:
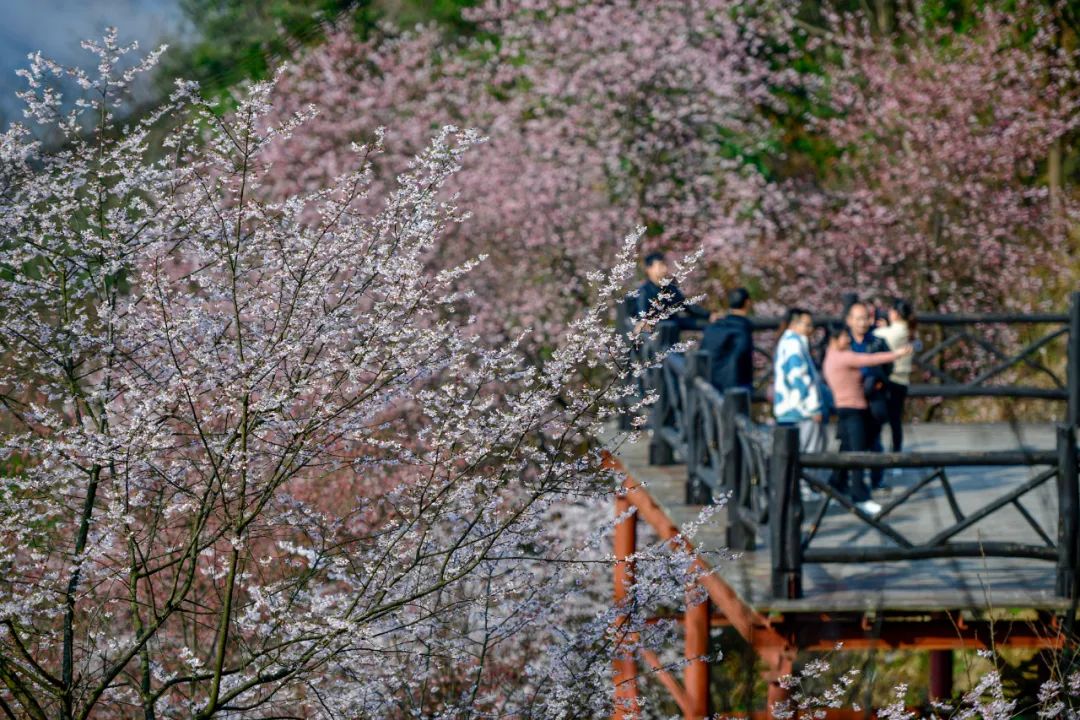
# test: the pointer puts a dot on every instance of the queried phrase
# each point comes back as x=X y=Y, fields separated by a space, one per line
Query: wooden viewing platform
x=937 y=584
x=977 y=546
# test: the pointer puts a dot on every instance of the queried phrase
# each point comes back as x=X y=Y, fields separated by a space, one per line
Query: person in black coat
x=656 y=294
x=729 y=344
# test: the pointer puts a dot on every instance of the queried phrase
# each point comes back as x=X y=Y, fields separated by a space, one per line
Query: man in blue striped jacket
x=797 y=383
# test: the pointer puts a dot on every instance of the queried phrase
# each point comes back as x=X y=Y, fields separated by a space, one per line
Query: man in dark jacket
x=729 y=344
x=875 y=380
x=655 y=293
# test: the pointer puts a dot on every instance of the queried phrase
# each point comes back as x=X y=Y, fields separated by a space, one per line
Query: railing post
x=697 y=491
x=667 y=333
x=626 y=688
x=1068 y=511
x=777 y=693
x=785 y=514
x=1073 y=371
x=736 y=402
x=703 y=365
x=696 y=672
x=660 y=450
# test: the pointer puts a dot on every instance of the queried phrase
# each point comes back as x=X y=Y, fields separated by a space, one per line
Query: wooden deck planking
x=974 y=584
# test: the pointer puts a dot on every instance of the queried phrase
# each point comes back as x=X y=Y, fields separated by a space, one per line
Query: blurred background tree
x=238 y=40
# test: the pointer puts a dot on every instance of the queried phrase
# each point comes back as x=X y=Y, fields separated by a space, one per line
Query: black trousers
x=873 y=426
x=852 y=426
x=897 y=394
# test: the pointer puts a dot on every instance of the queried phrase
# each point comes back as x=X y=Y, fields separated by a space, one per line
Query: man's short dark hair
x=737 y=298
x=654 y=257
x=795 y=312
x=852 y=305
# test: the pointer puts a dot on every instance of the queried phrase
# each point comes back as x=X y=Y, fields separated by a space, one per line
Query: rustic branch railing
x=759 y=469
x=791 y=542
x=969 y=331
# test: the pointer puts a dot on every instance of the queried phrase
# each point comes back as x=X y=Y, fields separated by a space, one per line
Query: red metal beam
x=776 y=693
x=626 y=688
x=773 y=648
x=680 y=618
x=682 y=699
x=696 y=673
x=935 y=631
x=776 y=640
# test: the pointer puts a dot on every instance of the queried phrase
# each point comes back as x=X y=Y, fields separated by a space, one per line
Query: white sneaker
x=869 y=507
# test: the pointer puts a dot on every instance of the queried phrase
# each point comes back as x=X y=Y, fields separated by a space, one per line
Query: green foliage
x=238 y=40
x=445 y=12
x=800 y=152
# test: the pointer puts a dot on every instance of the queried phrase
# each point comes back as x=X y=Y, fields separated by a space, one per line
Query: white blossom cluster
x=257 y=462
x=816 y=688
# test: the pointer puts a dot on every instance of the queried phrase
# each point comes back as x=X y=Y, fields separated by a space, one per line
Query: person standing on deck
x=660 y=293
x=796 y=382
x=897 y=334
x=729 y=344
x=842 y=371
x=875 y=381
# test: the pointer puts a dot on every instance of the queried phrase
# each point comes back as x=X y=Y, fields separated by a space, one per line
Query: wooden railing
x=791 y=536
x=758 y=468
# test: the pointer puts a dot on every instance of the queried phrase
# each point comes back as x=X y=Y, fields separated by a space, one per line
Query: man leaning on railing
x=660 y=293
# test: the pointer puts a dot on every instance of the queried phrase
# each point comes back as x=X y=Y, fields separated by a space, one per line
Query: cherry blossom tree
x=597 y=112
x=598 y=116
x=944 y=142
x=257 y=463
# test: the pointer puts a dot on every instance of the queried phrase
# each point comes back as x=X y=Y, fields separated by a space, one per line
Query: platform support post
x=736 y=402
x=626 y=688
x=785 y=514
x=776 y=692
x=696 y=673
x=1068 y=511
x=941 y=675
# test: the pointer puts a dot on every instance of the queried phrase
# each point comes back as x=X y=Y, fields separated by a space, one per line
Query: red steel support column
x=776 y=693
x=696 y=674
x=626 y=690
x=941 y=674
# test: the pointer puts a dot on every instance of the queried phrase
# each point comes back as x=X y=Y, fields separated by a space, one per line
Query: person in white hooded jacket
x=796 y=382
